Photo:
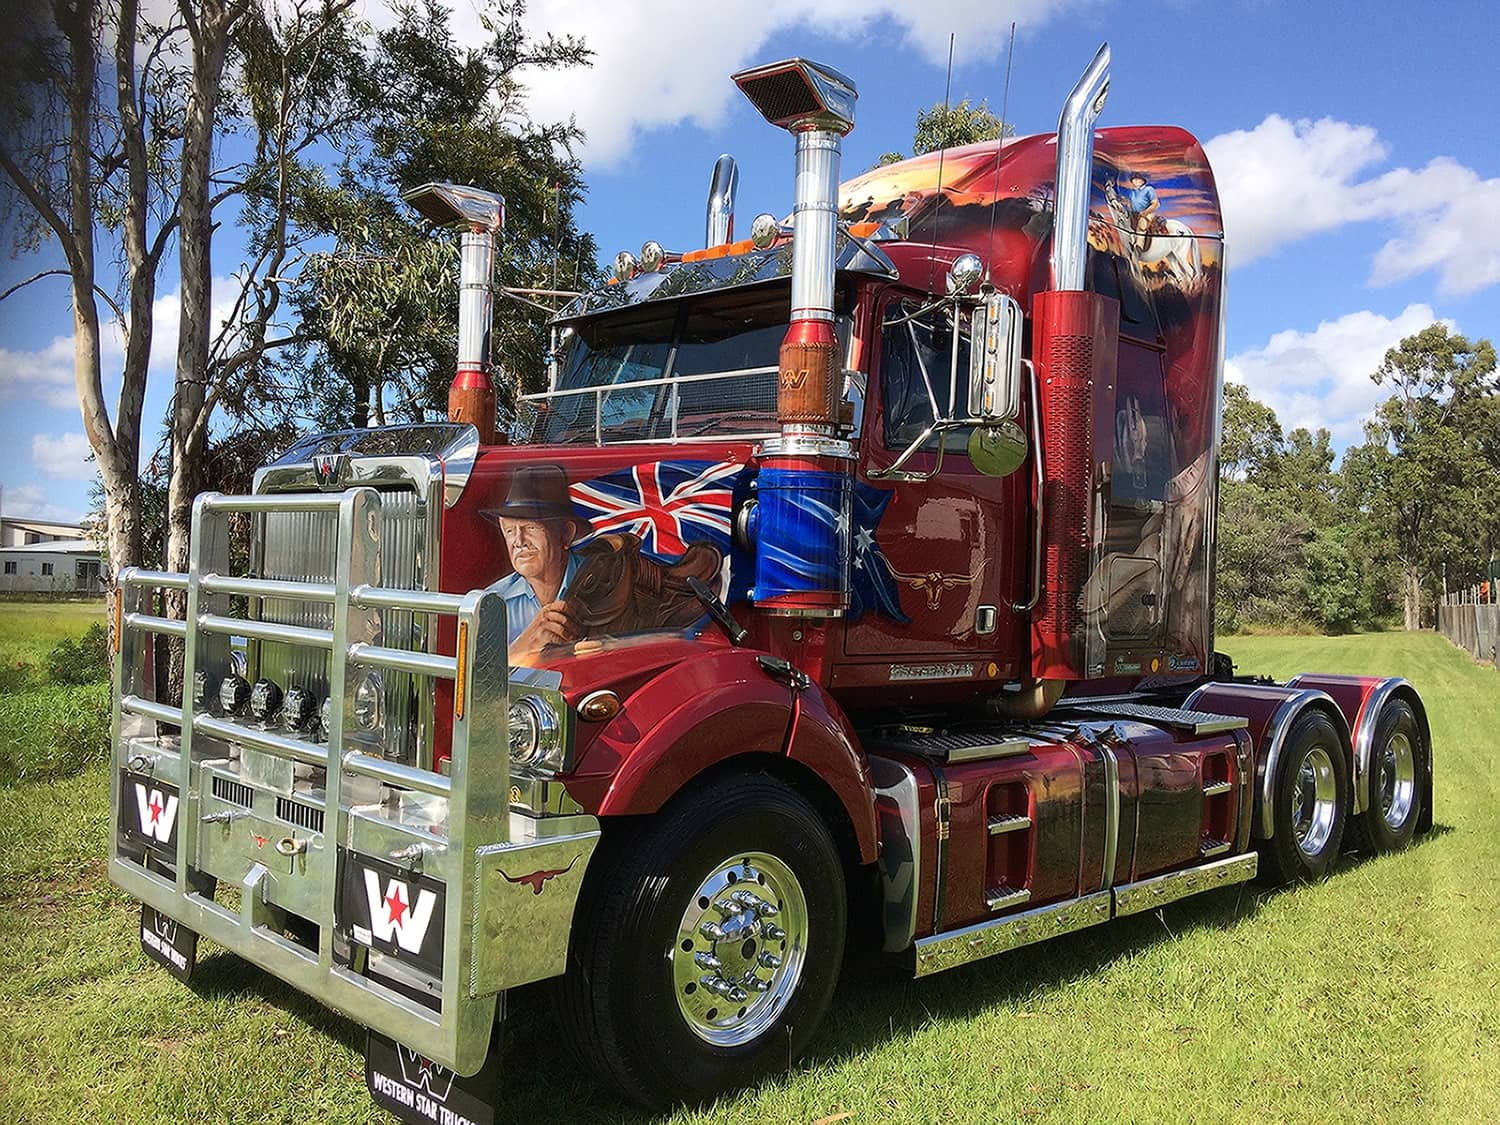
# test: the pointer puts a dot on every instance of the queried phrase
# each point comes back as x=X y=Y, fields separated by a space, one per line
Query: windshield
x=676 y=372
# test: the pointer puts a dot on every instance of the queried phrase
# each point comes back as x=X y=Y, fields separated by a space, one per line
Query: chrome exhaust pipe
x=1075 y=174
x=722 y=186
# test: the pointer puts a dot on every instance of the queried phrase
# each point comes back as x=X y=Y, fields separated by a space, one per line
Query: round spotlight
x=265 y=700
x=652 y=256
x=965 y=271
x=205 y=689
x=234 y=694
x=764 y=230
x=624 y=265
x=298 y=709
x=325 y=716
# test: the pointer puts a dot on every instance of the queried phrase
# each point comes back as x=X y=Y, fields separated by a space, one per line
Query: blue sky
x=1356 y=148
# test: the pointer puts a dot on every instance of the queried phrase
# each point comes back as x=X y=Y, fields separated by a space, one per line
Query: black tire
x=1313 y=744
x=620 y=995
x=1398 y=754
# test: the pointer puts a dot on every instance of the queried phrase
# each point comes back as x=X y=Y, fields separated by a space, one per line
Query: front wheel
x=1311 y=799
x=709 y=945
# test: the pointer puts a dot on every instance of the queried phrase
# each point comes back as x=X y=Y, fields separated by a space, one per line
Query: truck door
x=936 y=561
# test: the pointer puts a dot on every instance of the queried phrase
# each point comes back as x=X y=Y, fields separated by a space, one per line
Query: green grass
x=47 y=730
x=1371 y=997
x=28 y=632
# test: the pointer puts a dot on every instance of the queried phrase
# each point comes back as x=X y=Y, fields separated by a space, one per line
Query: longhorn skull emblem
x=934 y=582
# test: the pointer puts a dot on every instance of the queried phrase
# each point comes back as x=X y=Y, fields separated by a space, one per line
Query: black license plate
x=395 y=911
x=149 y=813
x=420 y=1091
x=169 y=943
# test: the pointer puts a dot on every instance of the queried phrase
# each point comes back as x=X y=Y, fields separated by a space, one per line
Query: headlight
x=265 y=700
x=367 y=696
x=298 y=708
x=234 y=694
x=535 y=733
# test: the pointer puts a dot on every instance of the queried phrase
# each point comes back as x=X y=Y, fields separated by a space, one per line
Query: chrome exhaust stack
x=1075 y=174
x=722 y=186
x=481 y=214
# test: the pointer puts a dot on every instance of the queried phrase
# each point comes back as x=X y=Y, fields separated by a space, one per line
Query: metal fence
x=1471 y=619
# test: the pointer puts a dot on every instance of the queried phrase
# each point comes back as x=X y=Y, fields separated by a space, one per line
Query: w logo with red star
x=157 y=813
x=396 y=914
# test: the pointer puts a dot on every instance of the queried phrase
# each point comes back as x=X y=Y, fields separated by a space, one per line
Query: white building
x=18 y=532
x=59 y=566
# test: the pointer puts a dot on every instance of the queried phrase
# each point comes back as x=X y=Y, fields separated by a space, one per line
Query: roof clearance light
x=764 y=230
x=652 y=256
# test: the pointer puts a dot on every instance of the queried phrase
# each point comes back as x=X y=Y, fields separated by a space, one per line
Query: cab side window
x=917 y=358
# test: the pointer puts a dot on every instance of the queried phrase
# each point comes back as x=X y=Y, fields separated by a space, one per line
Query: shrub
x=52 y=732
x=84 y=661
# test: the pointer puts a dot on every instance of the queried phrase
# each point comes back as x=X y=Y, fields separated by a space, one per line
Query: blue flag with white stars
x=871 y=586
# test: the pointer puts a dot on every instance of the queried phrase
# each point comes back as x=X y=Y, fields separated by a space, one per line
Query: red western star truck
x=852 y=581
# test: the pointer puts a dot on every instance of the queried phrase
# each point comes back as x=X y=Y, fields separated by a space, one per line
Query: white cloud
x=659 y=63
x=1285 y=180
x=46 y=373
x=63 y=456
x=30 y=501
x=1322 y=377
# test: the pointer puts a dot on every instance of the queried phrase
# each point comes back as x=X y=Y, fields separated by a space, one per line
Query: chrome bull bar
x=483 y=914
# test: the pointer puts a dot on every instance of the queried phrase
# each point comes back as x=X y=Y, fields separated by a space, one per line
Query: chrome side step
x=985 y=939
x=958 y=947
x=1148 y=894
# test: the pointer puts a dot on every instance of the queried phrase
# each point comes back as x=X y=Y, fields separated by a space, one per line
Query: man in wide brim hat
x=539 y=525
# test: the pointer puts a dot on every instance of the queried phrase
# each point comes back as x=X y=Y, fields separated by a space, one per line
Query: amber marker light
x=119 y=603
x=461 y=670
x=599 y=706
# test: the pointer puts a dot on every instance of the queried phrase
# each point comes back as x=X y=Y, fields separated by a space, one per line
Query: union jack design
x=669 y=504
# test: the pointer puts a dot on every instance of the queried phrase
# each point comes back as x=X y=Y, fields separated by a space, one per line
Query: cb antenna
x=1010 y=58
x=937 y=203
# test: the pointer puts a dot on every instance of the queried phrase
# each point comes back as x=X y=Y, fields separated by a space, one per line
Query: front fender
x=714 y=706
x=699 y=712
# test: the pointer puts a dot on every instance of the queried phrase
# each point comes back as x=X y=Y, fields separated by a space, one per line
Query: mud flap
x=420 y=1091
x=169 y=943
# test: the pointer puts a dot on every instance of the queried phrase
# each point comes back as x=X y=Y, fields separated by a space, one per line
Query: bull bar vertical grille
x=343 y=636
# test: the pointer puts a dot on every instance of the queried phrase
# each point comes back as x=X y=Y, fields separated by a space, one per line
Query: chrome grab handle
x=1039 y=476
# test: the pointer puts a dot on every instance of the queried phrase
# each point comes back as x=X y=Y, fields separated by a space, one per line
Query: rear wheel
x=1310 y=802
x=708 y=948
x=1397 y=756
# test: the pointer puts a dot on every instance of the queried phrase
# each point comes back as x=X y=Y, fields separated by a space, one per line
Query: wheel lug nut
x=747 y=899
x=773 y=931
x=728 y=907
x=737 y=995
x=712 y=931
x=768 y=960
x=707 y=961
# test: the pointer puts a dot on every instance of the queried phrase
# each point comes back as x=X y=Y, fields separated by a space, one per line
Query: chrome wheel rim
x=1398 y=780
x=1314 y=802
x=740 y=948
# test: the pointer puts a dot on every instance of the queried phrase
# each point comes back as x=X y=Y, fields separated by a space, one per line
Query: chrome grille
x=295 y=812
x=303 y=546
x=236 y=792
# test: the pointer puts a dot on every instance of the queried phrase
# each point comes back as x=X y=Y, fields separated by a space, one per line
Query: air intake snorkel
x=471 y=396
x=803 y=488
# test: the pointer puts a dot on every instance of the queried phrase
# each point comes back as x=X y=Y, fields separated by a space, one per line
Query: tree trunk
x=1411 y=597
x=210 y=25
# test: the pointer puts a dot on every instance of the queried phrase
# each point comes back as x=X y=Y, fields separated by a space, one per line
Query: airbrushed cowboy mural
x=612 y=556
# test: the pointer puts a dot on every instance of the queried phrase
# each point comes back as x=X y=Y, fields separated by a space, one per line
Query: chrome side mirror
x=995 y=361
